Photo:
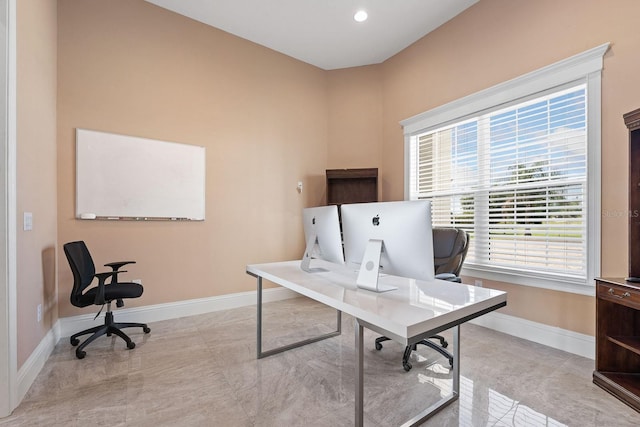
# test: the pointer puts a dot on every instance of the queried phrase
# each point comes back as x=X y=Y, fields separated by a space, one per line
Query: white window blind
x=514 y=177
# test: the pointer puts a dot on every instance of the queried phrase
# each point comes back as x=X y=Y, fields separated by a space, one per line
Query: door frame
x=8 y=250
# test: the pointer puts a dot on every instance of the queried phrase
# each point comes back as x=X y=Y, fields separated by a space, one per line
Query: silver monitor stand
x=306 y=258
x=370 y=268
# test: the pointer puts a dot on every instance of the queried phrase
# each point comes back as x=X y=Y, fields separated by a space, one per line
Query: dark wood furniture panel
x=632 y=121
x=618 y=339
x=352 y=186
x=618 y=300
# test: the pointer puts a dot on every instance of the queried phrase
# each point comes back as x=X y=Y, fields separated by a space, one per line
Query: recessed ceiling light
x=360 y=16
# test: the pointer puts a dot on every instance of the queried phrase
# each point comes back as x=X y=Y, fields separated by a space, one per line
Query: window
x=517 y=166
x=515 y=179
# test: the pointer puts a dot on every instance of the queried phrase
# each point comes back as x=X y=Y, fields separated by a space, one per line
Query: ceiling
x=323 y=32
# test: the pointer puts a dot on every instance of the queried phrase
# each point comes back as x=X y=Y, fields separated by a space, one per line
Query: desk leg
x=422 y=416
x=359 y=392
x=259 y=317
x=455 y=391
x=261 y=354
x=456 y=361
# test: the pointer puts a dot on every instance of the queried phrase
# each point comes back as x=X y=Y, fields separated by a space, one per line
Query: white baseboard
x=562 y=339
x=34 y=364
x=551 y=336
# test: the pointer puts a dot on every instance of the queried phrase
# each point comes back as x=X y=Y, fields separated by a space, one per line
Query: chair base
x=110 y=327
x=410 y=348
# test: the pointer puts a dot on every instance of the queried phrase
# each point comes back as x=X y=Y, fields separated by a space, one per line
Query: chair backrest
x=82 y=268
x=450 y=247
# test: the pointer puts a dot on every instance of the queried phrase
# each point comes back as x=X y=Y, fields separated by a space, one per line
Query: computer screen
x=388 y=237
x=322 y=236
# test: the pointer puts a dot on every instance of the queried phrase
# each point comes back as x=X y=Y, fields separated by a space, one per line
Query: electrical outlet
x=478 y=283
x=39 y=310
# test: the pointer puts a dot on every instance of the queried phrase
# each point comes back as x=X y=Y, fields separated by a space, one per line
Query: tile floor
x=202 y=371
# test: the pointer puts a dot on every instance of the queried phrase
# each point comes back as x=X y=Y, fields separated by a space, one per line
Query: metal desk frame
x=359 y=347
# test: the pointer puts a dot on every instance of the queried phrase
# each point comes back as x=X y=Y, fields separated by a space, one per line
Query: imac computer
x=322 y=236
x=388 y=237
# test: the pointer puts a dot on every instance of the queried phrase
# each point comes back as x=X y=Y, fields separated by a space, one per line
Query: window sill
x=543 y=281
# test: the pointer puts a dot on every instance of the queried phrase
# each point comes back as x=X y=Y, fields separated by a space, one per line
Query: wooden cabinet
x=632 y=121
x=618 y=339
x=618 y=300
x=352 y=186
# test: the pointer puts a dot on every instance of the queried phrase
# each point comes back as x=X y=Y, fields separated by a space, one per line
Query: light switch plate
x=28 y=221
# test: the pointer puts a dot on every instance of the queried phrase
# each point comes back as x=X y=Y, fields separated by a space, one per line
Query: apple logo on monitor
x=376 y=220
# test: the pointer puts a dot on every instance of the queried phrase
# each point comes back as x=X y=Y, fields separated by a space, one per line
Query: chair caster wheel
x=131 y=345
x=378 y=346
x=146 y=330
x=74 y=341
x=81 y=354
x=407 y=366
x=445 y=344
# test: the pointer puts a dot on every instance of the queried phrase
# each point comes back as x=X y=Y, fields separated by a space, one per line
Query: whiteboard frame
x=121 y=177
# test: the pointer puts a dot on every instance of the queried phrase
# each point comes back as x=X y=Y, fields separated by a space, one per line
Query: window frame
x=585 y=67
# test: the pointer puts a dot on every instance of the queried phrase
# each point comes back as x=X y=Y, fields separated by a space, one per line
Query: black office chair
x=450 y=247
x=83 y=274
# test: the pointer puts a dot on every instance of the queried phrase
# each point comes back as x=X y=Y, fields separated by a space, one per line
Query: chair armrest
x=116 y=268
x=116 y=265
x=448 y=276
x=99 y=299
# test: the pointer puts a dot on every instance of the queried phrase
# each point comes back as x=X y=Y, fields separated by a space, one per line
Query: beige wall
x=269 y=121
x=133 y=68
x=355 y=118
x=498 y=40
x=36 y=171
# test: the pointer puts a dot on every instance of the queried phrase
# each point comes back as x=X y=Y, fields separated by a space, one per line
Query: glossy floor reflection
x=202 y=371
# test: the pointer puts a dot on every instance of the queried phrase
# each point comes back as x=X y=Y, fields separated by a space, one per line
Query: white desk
x=415 y=311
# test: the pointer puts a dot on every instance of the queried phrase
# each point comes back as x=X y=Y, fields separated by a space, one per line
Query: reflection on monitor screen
x=389 y=237
x=322 y=236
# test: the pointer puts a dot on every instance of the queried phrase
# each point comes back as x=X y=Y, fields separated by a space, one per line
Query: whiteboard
x=126 y=177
